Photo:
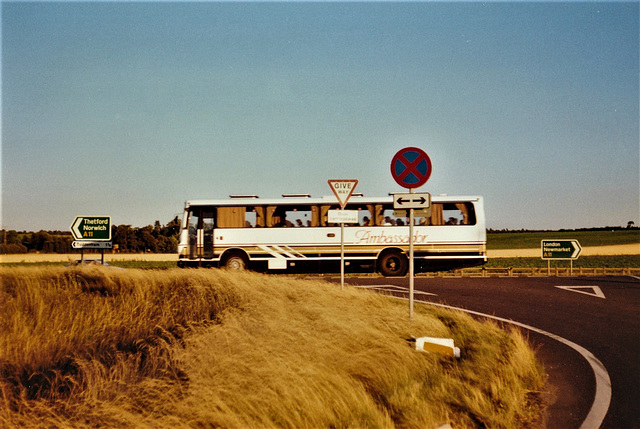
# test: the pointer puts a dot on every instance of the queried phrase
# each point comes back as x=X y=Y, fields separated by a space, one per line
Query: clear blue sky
x=129 y=109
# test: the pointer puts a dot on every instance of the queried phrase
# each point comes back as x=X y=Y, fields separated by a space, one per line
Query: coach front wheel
x=235 y=262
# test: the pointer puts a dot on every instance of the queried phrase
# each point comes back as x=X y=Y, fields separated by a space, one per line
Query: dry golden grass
x=210 y=348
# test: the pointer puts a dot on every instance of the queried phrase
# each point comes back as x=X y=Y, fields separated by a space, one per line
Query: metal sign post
x=411 y=168
x=410 y=202
x=342 y=217
x=341 y=255
x=411 y=267
x=342 y=190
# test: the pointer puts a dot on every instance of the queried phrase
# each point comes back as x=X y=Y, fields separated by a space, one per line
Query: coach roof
x=253 y=200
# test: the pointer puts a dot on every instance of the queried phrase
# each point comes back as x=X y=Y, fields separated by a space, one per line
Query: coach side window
x=391 y=217
x=452 y=214
x=303 y=216
x=254 y=217
x=292 y=216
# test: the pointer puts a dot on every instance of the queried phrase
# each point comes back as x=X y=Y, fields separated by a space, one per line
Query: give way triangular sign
x=343 y=189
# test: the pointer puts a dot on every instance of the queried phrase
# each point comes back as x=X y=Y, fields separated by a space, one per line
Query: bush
x=12 y=248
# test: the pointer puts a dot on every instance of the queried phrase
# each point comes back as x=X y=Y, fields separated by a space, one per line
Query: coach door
x=201 y=223
x=208 y=222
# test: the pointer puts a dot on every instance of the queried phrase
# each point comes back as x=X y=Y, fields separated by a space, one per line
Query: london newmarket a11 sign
x=560 y=249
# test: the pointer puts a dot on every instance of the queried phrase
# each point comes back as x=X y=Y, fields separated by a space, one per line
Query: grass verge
x=208 y=348
x=618 y=261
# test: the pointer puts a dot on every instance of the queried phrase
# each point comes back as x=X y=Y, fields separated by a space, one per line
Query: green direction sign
x=92 y=228
x=560 y=249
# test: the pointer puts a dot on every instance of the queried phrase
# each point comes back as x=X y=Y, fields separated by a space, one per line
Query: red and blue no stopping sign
x=411 y=167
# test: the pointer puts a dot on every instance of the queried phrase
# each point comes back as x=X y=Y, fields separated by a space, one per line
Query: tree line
x=630 y=226
x=156 y=238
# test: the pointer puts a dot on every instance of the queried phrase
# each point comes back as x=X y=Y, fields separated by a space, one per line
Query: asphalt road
x=587 y=334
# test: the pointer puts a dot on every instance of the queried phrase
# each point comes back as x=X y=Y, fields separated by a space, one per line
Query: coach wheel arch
x=393 y=263
x=235 y=260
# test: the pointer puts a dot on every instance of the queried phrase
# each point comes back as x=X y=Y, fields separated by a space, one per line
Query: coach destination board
x=92 y=228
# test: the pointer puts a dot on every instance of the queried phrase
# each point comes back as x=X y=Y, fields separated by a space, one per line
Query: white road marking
x=597 y=292
x=394 y=288
x=602 y=397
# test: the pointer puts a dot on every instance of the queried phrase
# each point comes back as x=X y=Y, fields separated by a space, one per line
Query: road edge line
x=602 y=397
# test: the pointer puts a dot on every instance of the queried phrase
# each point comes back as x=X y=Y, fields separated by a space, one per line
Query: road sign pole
x=411 y=268
x=342 y=256
x=411 y=168
x=342 y=190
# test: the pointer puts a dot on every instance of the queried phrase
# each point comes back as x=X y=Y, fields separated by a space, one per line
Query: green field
x=531 y=240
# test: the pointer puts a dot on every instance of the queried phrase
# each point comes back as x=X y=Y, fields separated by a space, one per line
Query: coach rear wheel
x=393 y=264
